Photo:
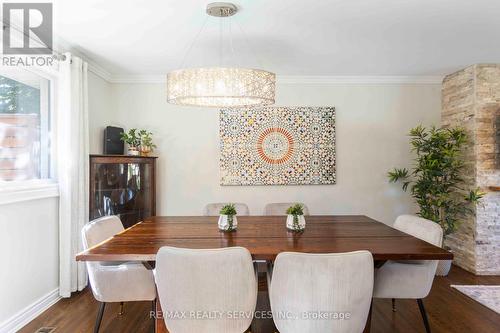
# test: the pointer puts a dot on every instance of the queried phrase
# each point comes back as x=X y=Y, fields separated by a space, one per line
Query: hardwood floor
x=448 y=310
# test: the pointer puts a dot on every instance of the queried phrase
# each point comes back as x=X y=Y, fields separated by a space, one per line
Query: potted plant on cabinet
x=227 y=218
x=436 y=181
x=295 y=220
x=133 y=141
x=147 y=145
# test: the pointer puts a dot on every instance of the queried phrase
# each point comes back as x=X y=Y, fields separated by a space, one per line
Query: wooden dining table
x=265 y=237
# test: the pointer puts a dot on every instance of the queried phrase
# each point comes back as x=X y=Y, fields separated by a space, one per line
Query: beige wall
x=100 y=110
x=372 y=122
x=30 y=270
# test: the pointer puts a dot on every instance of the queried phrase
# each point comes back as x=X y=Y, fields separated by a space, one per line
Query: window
x=25 y=120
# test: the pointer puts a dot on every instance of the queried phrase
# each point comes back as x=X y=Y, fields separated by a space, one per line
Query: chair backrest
x=101 y=229
x=212 y=281
x=213 y=209
x=338 y=286
x=426 y=230
x=94 y=233
x=279 y=208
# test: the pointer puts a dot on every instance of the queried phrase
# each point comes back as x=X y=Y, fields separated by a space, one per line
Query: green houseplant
x=227 y=218
x=138 y=141
x=295 y=218
x=435 y=181
x=147 y=145
x=133 y=140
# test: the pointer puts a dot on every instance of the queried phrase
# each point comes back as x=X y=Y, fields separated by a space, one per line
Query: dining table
x=264 y=237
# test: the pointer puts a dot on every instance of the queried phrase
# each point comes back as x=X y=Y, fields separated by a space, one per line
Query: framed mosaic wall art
x=277 y=146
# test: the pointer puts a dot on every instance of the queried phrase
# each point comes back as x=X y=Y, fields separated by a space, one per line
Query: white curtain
x=72 y=170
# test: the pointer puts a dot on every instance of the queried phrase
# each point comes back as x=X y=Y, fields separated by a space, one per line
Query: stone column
x=471 y=99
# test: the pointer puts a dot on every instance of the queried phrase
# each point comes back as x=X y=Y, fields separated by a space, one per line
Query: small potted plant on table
x=227 y=218
x=133 y=141
x=295 y=220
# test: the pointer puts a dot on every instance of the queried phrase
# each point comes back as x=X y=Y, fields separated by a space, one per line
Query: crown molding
x=281 y=79
x=292 y=79
x=359 y=80
x=146 y=78
x=99 y=71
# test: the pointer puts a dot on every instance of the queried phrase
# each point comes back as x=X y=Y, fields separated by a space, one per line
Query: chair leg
x=153 y=311
x=121 y=309
x=424 y=315
x=269 y=274
x=99 y=317
x=393 y=305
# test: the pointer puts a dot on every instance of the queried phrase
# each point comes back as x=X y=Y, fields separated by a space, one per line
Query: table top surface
x=265 y=237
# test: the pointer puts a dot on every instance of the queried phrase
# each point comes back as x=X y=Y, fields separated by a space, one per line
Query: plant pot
x=443 y=267
x=228 y=222
x=295 y=222
x=133 y=151
x=145 y=151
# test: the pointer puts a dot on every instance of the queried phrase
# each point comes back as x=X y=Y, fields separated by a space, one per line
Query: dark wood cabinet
x=124 y=186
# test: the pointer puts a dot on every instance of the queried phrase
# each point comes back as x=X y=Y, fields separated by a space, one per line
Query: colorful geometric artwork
x=277 y=146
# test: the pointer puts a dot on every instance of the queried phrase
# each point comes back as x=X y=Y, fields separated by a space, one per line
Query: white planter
x=298 y=225
x=443 y=267
x=224 y=222
x=133 y=152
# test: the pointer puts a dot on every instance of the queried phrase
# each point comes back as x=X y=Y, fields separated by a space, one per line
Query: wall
x=471 y=99
x=100 y=110
x=372 y=123
x=30 y=272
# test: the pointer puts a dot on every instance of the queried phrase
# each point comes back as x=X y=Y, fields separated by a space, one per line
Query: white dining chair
x=213 y=209
x=220 y=281
x=279 y=208
x=410 y=279
x=115 y=281
x=304 y=286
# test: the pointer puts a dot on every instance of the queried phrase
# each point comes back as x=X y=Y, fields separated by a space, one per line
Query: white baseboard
x=23 y=317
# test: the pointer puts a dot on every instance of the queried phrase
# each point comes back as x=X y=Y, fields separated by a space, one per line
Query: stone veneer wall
x=471 y=99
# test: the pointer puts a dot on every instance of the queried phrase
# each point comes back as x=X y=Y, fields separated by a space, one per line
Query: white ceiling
x=289 y=37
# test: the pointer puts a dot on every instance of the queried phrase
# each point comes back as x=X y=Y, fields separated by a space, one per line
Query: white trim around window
x=25 y=190
x=34 y=189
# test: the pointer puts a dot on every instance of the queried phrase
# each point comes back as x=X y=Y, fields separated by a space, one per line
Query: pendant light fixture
x=221 y=86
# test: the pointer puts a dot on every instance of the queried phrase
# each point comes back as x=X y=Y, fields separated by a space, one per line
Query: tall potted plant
x=435 y=180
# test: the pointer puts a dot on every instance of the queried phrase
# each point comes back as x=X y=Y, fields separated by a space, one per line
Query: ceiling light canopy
x=221 y=86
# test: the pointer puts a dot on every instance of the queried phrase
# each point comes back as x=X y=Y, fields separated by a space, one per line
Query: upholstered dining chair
x=206 y=281
x=410 y=279
x=334 y=285
x=115 y=282
x=279 y=208
x=213 y=209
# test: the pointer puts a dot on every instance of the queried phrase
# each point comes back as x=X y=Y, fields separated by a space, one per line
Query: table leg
x=379 y=263
x=369 y=319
